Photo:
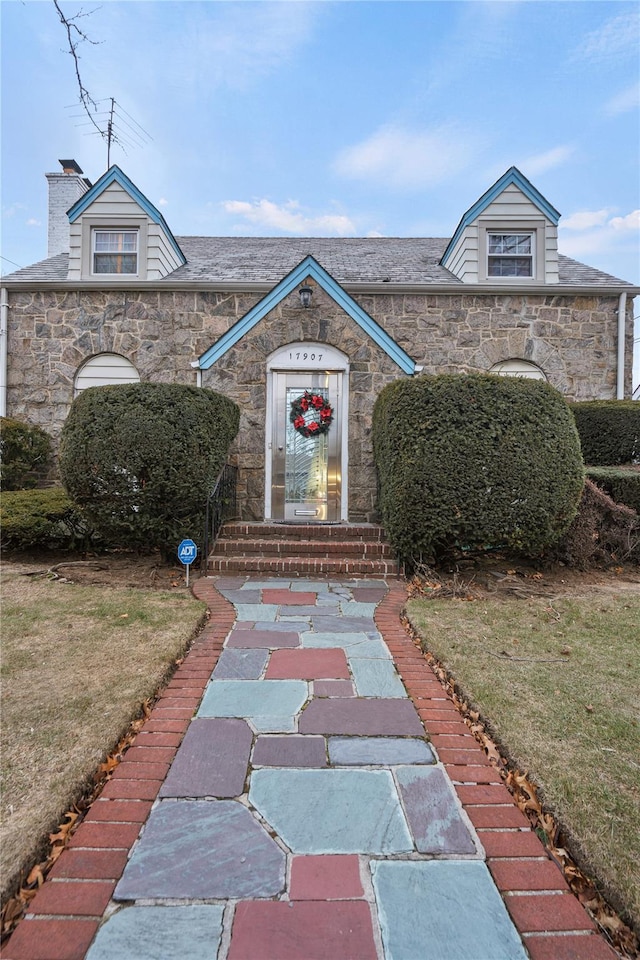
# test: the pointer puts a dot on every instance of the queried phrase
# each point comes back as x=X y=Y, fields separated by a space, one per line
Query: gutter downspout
x=4 y=329
x=622 y=310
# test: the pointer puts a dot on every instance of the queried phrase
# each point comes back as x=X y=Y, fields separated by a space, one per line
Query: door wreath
x=311 y=414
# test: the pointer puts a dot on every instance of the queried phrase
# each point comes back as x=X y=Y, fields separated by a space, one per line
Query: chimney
x=64 y=189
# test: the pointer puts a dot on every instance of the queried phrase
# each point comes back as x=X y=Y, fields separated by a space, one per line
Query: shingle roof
x=349 y=260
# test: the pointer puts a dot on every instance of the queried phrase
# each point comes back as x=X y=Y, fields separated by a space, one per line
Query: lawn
x=558 y=679
x=77 y=663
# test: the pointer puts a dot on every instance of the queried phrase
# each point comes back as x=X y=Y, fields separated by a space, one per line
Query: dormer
x=116 y=234
x=508 y=237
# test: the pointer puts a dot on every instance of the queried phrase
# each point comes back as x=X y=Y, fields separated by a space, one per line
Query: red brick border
x=64 y=915
x=550 y=919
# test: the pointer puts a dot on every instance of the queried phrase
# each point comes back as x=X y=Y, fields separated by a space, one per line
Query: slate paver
x=376 y=678
x=254 y=698
x=151 y=933
x=304 y=930
x=355 y=645
x=256 y=611
x=308 y=665
x=288 y=598
x=332 y=811
x=322 y=623
x=437 y=909
x=265 y=639
x=199 y=849
x=289 y=751
x=333 y=688
x=378 y=751
x=237 y=663
x=328 y=877
x=212 y=760
x=367 y=717
x=434 y=817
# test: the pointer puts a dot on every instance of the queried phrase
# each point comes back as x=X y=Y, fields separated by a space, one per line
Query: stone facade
x=51 y=333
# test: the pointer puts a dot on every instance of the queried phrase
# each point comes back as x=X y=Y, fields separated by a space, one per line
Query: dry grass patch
x=77 y=663
x=558 y=680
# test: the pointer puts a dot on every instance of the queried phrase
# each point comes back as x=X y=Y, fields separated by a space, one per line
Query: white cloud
x=541 y=162
x=624 y=102
x=405 y=158
x=289 y=218
x=32 y=222
x=13 y=209
x=630 y=222
x=163 y=202
x=585 y=219
x=600 y=237
x=615 y=38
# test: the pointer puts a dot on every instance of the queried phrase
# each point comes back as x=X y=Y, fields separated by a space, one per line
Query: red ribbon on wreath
x=302 y=414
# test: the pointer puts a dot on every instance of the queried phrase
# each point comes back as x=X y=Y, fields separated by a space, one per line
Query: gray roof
x=401 y=260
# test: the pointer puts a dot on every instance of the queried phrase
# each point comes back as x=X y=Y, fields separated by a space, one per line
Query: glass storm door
x=306 y=470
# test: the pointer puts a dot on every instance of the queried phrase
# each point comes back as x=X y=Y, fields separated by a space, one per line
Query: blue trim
x=308 y=268
x=115 y=175
x=512 y=176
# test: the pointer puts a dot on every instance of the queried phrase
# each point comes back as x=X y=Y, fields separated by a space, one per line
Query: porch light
x=305 y=292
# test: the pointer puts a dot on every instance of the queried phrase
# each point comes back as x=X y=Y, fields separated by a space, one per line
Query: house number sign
x=305 y=357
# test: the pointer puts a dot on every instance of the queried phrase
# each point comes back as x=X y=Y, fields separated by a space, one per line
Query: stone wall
x=52 y=333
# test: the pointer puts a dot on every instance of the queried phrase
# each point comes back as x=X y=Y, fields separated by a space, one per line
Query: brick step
x=298 y=566
x=302 y=531
x=352 y=549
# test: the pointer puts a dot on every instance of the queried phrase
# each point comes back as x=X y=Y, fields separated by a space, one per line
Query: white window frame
x=120 y=231
x=535 y=230
x=530 y=256
x=89 y=224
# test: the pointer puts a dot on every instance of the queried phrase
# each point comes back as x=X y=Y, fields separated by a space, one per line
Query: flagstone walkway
x=285 y=802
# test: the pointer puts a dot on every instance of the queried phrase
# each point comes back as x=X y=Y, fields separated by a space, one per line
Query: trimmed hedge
x=41 y=520
x=474 y=462
x=140 y=459
x=609 y=431
x=621 y=483
x=25 y=454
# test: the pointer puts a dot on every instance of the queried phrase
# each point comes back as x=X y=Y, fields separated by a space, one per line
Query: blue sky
x=334 y=118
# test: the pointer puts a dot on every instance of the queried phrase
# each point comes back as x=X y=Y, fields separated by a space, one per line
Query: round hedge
x=475 y=461
x=609 y=431
x=140 y=459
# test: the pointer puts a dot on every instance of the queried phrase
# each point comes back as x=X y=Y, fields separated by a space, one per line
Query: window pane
x=509 y=243
x=115 y=263
x=510 y=267
x=112 y=240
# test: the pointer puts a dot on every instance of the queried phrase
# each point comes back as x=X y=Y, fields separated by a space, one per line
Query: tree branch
x=76 y=36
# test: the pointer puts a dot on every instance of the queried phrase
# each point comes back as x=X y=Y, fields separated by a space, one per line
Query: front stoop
x=301 y=549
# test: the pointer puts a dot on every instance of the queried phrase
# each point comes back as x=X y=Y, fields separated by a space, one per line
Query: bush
x=140 y=459
x=41 y=520
x=621 y=483
x=609 y=431
x=474 y=462
x=601 y=532
x=25 y=454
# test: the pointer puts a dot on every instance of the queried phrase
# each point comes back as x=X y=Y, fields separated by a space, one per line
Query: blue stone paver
x=272 y=770
x=441 y=909
x=332 y=811
x=147 y=933
x=200 y=850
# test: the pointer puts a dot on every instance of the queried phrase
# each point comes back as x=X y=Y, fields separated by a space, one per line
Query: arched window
x=105 y=369
x=518 y=368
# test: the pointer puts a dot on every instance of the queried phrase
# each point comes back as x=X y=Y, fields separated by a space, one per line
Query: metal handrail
x=221 y=505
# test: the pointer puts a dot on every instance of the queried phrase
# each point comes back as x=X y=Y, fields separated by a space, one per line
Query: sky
x=347 y=118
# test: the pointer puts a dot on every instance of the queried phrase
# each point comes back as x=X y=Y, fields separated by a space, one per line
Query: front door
x=306 y=446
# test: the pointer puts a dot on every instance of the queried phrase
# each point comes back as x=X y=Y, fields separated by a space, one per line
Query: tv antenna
x=112 y=122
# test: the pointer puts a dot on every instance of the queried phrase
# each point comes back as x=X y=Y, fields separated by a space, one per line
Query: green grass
x=571 y=723
x=77 y=663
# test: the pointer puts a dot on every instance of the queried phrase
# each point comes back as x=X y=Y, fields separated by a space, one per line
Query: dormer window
x=115 y=251
x=510 y=254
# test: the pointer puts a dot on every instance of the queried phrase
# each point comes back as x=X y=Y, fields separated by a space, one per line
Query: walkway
x=302 y=813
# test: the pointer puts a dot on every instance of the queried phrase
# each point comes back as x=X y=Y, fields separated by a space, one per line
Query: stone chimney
x=64 y=189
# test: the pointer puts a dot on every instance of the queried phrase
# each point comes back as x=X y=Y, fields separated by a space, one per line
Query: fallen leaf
x=589 y=708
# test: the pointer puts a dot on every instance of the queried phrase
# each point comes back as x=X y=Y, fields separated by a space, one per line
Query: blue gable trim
x=115 y=175
x=512 y=176
x=308 y=268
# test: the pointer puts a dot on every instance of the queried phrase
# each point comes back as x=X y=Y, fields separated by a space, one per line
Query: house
x=303 y=333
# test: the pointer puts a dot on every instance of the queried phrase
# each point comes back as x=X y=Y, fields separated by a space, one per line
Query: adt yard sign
x=187 y=552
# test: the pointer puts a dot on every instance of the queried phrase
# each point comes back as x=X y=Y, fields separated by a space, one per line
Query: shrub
x=609 y=431
x=601 y=532
x=25 y=454
x=474 y=462
x=41 y=520
x=621 y=483
x=140 y=459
